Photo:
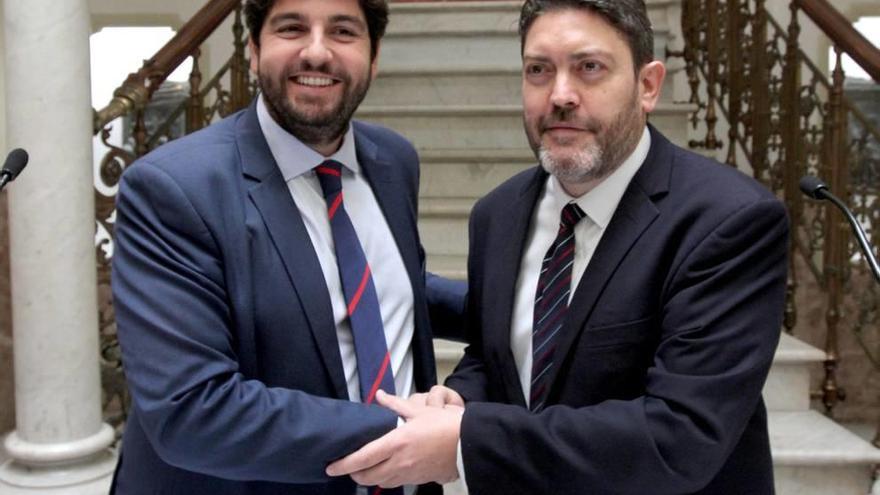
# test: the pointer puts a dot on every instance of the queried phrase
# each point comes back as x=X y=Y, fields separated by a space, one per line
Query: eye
x=591 y=66
x=344 y=32
x=291 y=28
x=534 y=69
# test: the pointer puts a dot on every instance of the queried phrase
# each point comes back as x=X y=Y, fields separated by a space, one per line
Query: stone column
x=60 y=444
x=7 y=410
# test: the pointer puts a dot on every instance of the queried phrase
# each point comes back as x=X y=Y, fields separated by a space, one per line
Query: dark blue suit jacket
x=670 y=336
x=225 y=323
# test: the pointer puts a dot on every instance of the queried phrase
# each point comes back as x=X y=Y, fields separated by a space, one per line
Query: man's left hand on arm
x=419 y=451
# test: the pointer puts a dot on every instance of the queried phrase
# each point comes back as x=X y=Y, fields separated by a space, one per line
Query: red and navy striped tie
x=551 y=303
x=373 y=358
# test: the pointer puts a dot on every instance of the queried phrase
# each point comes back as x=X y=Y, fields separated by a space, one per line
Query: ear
x=374 y=64
x=254 y=55
x=650 y=82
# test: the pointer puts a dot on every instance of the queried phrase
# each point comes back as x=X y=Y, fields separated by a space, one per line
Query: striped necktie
x=551 y=303
x=373 y=358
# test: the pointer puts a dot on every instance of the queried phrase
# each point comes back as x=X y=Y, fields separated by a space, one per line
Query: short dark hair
x=375 y=11
x=628 y=17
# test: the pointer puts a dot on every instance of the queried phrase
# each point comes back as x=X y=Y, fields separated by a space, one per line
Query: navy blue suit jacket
x=225 y=323
x=669 y=339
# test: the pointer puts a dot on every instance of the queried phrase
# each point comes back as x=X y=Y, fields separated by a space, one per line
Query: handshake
x=421 y=450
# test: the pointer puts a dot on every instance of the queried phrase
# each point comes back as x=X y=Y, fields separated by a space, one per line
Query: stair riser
x=416 y=18
x=445 y=235
x=480 y=88
x=788 y=387
x=465 y=180
x=822 y=480
x=450 y=52
x=412 y=19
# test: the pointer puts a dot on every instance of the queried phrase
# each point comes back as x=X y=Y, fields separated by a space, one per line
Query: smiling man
x=259 y=308
x=625 y=296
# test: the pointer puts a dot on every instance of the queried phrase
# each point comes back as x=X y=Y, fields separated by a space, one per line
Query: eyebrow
x=284 y=16
x=294 y=16
x=578 y=55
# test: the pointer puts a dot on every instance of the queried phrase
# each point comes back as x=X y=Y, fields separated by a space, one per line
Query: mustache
x=566 y=116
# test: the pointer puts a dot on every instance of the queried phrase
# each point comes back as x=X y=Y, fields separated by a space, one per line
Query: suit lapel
x=272 y=199
x=635 y=213
x=498 y=310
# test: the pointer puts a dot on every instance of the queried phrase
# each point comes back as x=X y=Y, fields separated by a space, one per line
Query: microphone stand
x=857 y=230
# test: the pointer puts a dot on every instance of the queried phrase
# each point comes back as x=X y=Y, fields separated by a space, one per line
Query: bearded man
x=625 y=297
x=258 y=311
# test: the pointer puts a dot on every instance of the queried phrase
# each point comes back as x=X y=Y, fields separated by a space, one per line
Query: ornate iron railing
x=227 y=91
x=785 y=119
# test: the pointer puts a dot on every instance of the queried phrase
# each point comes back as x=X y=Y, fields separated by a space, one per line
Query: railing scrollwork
x=787 y=119
x=135 y=102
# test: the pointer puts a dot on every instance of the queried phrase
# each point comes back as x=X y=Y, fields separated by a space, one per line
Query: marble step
x=788 y=385
x=813 y=455
x=469 y=173
x=417 y=18
x=488 y=126
x=425 y=86
x=443 y=227
x=414 y=18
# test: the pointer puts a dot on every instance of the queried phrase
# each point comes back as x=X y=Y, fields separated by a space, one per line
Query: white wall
x=813 y=41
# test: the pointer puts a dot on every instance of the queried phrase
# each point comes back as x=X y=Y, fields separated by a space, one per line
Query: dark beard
x=313 y=129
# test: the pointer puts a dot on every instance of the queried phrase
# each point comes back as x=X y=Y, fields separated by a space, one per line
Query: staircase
x=812 y=455
x=449 y=80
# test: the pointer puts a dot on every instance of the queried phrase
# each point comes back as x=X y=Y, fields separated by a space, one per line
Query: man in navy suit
x=238 y=333
x=625 y=297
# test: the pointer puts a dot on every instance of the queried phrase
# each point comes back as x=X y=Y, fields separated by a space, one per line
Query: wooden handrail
x=135 y=92
x=843 y=34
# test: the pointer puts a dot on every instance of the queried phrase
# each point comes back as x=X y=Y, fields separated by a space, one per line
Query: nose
x=564 y=94
x=317 y=53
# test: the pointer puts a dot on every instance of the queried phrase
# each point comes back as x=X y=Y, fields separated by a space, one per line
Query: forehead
x=565 y=31
x=316 y=9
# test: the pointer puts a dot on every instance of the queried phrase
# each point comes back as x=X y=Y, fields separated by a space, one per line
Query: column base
x=91 y=477
x=80 y=467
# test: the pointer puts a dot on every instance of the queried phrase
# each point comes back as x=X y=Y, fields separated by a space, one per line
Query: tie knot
x=571 y=215
x=330 y=176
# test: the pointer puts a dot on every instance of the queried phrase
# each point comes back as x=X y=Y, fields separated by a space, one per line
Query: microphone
x=15 y=162
x=813 y=187
x=816 y=189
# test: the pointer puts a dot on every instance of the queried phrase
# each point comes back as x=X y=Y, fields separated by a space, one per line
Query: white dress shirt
x=296 y=161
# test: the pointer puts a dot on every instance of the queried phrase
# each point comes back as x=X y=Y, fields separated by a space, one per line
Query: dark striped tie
x=373 y=358
x=551 y=303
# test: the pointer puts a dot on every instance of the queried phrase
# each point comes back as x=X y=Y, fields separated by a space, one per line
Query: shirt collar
x=600 y=203
x=294 y=157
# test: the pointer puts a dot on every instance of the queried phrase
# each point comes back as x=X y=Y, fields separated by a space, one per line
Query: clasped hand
x=421 y=450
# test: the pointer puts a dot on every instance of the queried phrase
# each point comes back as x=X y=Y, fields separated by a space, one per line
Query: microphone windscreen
x=811 y=186
x=15 y=162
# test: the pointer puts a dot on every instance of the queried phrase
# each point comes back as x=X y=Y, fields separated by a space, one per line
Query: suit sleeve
x=720 y=323
x=446 y=305
x=198 y=411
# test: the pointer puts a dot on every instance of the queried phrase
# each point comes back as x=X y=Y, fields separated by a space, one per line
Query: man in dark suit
x=250 y=356
x=625 y=297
